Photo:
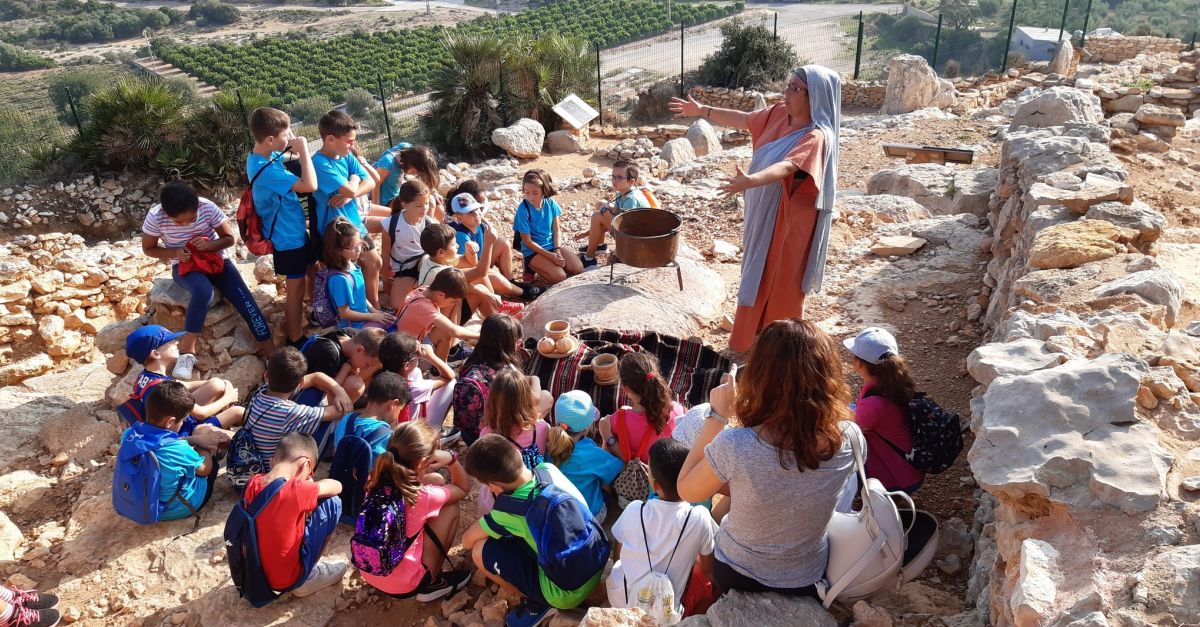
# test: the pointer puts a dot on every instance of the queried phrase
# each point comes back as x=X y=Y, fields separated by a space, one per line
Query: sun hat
x=575 y=410
x=872 y=344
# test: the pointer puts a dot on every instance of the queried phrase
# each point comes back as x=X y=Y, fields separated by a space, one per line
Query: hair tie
x=649 y=376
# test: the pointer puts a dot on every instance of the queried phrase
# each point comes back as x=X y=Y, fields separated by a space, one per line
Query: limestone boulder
x=1070 y=435
x=648 y=299
x=943 y=189
x=563 y=142
x=1136 y=215
x=999 y=359
x=740 y=609
x=78 y=434
x=887 y=208
x=1037 y=584
x=167 y=292
x=913 y=85
x=83 y=384
x=1093 y=190
x=1057 y=106
x=245 y=373
x=1179 y=593
x=22 y=414
x=897 y=245
x=1063 y=59
x=31 y=366
x=522 y=140
x=1159 y=115
x=704 y=138
x=11 y=539
x=677 y=152
x=1073 y=244
x=1125 y=104
x=1159 y=286
x=21 y=486
x=111 y=338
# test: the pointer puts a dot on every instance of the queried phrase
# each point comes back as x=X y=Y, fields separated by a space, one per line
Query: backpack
x=133 y=410
x=867 y=547
x=531 y=455
x=650 y=199
x=324 y=311
x=393 y=222
x=250 y=225
x=241 y=548
x=352 y=460
x=244 y=460
x=571 y=545
x=379 y=542
x=654 y=592
x=936 y=434
x=633 y=482
x=135 y=489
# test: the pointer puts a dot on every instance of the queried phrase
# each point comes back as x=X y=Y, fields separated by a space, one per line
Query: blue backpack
x=352 y=460
x=571 y=545
x=531 y=455
x=137 y=482
x=133 y=410
x=244 y=459
x=241 y=548
x=323 y=309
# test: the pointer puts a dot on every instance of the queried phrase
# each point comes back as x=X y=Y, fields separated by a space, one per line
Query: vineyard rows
x=290 y=68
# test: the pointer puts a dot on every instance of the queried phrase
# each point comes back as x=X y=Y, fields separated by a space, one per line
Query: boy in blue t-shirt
x=387 y=398
x=342 y=185
x=185 y=465
x=276 y=202
x=391 y=175
x=591 y=468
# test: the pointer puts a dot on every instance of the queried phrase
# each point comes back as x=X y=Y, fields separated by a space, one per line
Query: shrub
x=183 y=86
x=359 y=102
x=952 y=69
x=214 y=12
x=79 y=83
x=310 y=109
x=128 y=123
x=211 y=149
x=652 y=102
x=15 y=59
x=465 y=108
x=988 y=8
x=27 y=142
x=749 y=58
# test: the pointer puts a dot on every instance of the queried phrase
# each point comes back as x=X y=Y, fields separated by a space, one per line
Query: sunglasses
x=620 y=178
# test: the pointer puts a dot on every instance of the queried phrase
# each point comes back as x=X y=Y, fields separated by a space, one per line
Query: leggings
x=725 y=578
x=200 y=286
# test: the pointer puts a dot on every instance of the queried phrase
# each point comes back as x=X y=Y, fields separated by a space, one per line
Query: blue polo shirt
x=538 y=223
x=389 y=187
x=276 y=204
x=332 y=174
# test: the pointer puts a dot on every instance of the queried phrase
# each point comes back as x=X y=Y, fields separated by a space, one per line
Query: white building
x=1036 y=44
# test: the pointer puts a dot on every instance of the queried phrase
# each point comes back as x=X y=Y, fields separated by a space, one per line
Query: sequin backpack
x=379 y=543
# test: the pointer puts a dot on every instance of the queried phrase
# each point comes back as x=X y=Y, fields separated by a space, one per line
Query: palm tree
x=129 y=122
x=466 y=106
x=540 y=73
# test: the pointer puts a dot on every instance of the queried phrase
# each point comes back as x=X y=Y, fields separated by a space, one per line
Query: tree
x=749 y=58
x=465 y=108
x=214 y=12
x=128 y=123
x=959 y=14
x=359 y=102
x=311 y=109
x=78 y=83
x=211 y=149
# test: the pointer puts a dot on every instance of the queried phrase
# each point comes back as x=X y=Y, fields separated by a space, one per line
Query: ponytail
x=892 y=380
x=639 y=373
x=399 y=465
x=559 y=444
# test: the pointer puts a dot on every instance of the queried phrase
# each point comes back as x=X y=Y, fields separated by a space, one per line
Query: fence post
x=387 y=119
x=937 y=42
x=1086 y=16
x=1063 y=25
x=245 y=118
x=681 y=31
x=775 y=29
x=1012 y=18
x=858 y=46
x=1192 y=46
x=75 y=114
x=599 y=88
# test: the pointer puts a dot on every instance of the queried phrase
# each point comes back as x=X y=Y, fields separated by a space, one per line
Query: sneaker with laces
x=529 y=615
x=31 y=599
x=530 y=291
x=446 y=584
x=323 y=575
x=599 y=247
x=26 y=617
x=590 y=263
x=184 y=366
x=449 y=436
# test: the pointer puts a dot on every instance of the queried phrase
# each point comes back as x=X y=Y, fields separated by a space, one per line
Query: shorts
x=294 y=263
x=529 y=266
x=190 y=423
x=513 y=561
x=725 y=578
x=407 y=273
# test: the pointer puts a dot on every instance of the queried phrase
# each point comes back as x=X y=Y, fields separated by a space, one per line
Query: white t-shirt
x=406 y=242
x=429 y=270
x=170 y=235
x=664 y=519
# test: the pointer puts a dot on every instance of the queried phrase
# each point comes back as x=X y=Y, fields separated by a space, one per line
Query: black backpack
x=936 y=434
x=352 y=461
x=241 y=548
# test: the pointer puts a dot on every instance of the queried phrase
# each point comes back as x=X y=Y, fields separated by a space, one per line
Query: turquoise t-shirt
x=635 y=199
x=375 y=431
x=276 y=204
x=349 y=290
x=177 y=466
x=591 y=468
x=332 y=174
x=538 y=223
x=389 y=187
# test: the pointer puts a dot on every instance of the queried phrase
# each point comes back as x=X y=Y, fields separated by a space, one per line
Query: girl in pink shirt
x=512 y=411
x=881 y=409
x=631 y=430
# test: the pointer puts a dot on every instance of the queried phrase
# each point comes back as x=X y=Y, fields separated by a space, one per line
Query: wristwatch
x=453 y=458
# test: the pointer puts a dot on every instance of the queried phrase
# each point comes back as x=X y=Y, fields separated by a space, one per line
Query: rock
x=739 y=609
x=111 y=338
x=117 y=363
x=77 y=433
x=563 y=142
x=1159 y=286
x=1063 y=57
x=1058 y=106
x=17 y=290
x=678 y=151
x=1125 y=104
x=1074 y=244
x=1165 y=536
x=942 y=189
x=1191 y=484
x=888 y=208
x=1095 y=190
x=1136 y=215
x=1179 y=593
x=522 y=140
x=245 y=373
x=28 y=367
x=167 y=292
x=615 y=617
x=455 y=603
x=1119 y=464
x=867 y=615
x=724 y=251
x=648 y=299
x=704 y=138
x=81 y=384
x=1158 y=115
x=897 y=245
x=990 y=361
x=1036 y=587
x=11 y=539
x=913 y=85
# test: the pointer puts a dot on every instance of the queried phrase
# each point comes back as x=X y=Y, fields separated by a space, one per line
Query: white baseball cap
x=872 y=344
x=465 y=203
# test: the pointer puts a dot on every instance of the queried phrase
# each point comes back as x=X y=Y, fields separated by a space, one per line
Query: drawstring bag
x=633 y=482
x=206 y=261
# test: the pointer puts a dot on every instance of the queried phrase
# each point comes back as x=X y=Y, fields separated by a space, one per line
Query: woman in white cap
x=881 y=407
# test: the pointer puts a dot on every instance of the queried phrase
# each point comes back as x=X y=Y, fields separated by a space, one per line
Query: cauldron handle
x=679 y=273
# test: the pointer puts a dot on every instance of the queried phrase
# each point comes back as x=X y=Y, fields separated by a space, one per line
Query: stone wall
x=867 y=94
x=106 y=207
x=1117 y=48
x=1087 y=396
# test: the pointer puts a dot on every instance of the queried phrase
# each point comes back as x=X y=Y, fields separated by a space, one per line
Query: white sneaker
x=184 y=366
x=323 y=575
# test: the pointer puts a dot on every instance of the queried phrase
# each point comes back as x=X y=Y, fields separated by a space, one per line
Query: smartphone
x=733 y=373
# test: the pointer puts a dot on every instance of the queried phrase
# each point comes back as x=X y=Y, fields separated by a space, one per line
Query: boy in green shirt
x=502 y=545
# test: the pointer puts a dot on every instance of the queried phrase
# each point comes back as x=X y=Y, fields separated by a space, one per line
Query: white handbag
x=866 y=548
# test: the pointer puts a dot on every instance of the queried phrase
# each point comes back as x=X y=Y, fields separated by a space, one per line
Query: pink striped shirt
x=170 y=235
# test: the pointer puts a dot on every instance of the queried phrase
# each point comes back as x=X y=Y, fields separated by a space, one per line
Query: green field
x=290 y=68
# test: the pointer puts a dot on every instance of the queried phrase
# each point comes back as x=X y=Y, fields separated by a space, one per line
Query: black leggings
x=725 y=578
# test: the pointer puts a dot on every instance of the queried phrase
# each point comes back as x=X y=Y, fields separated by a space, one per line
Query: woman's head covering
x=825 y=104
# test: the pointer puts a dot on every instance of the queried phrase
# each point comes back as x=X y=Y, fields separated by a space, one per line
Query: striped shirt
x=170 y=235
x=270 y=418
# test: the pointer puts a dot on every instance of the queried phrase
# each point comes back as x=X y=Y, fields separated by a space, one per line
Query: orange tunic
x=779 y=293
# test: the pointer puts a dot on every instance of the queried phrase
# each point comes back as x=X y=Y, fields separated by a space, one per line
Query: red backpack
x=249 y=223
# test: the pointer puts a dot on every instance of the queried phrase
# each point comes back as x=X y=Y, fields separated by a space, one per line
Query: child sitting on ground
x=513 y=414
x=568 y=445
x=632 y=430
x=350 y=359
x=502 y=545
x=471 y=234
x=387 y=400
x=273 y=414
x=431 y=398
x=402 y=238
x=441 y=253
x=663 y=535
x=344 y=280
x=406 y=471
x=499 y=346
x=297 y=523
x=625 y=181
x=423 y=317
x=185 y=464
x=157 y=349
x=537 y=223
x=420 y=163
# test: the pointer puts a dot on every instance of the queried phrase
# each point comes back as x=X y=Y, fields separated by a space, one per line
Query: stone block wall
x=866 y=94
x=1116 y=48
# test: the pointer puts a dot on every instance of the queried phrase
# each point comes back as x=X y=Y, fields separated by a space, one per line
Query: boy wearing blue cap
x=157 y=349
x=591 y=468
